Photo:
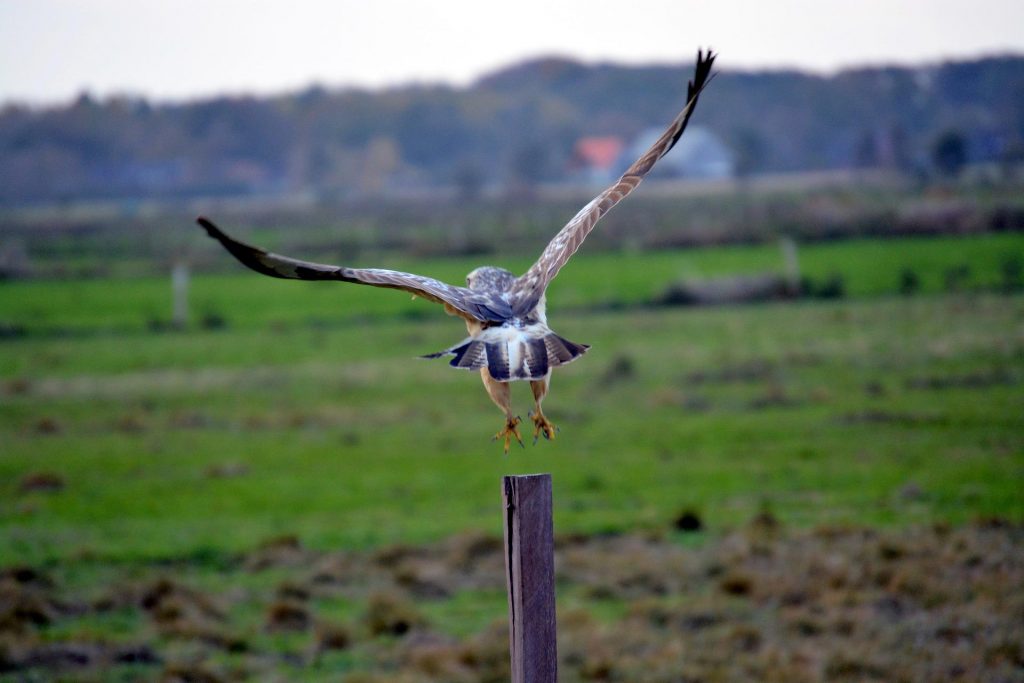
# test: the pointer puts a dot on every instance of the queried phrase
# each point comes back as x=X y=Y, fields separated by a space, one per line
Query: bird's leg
x=501 y=394
x=541 y=424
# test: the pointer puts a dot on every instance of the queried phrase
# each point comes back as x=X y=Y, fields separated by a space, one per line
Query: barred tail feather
x=563 y=350
x=536 y=361
x=513 y=356
x=470 y=354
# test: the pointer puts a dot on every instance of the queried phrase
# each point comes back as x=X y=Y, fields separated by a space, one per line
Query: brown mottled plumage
x=505 y=315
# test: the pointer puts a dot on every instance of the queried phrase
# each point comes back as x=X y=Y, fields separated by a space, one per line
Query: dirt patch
x=621 y=368
x=45 y=482
x=774 y=396
x=974 y=380
x=889 y=417
x=759 y=603
x=47 y=425
x=757 y=370
x=288 y=615
x=226 y=470
x=390 y=614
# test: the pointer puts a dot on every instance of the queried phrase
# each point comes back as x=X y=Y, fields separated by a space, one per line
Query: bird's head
x=489 y=279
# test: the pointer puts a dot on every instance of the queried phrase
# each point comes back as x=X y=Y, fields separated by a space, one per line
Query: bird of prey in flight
x=509 y=338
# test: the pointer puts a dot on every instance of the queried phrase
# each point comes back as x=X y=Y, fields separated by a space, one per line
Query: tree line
x=515 y=126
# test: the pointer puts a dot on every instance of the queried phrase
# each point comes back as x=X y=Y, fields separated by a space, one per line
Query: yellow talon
x=508 y=432
x=541 y=425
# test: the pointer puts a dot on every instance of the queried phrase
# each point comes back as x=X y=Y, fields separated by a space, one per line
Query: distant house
x=596 y=159
x=698 y=154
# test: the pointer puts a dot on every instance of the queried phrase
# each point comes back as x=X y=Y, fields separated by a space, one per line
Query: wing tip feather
x=531 y=284
x=701 y=77
x=208 y=225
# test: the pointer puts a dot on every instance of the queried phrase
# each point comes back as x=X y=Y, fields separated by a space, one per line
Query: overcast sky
x=176 y=49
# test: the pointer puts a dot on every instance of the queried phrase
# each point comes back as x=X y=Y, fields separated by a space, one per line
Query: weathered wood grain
x=530 y=571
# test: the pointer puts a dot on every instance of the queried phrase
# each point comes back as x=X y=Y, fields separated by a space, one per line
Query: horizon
x=498 y=69
x=196 y=50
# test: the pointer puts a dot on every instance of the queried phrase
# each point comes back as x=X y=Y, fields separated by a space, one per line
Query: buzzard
x=509 y=338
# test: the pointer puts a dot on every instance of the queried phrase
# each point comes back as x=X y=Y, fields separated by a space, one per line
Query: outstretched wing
x=530 y=286
x=456 y=300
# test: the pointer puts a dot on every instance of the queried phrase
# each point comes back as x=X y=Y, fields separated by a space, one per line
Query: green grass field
x=869 y=268
x=307 y=414
x=315 y=388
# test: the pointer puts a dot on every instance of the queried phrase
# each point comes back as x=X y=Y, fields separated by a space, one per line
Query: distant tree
x=380 y=159
x=865 y=155
x=469 y=180
x=430 y=129
x=949 y=153
x=899 y=148
x=318 y=138
x=528 y=167
x=84 y=100
x=1012 y=158
x=750 y=149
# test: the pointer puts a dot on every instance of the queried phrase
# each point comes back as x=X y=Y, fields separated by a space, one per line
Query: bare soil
x=759 y=603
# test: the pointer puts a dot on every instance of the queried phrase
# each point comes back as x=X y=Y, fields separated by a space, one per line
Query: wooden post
x=791 y=264
x=179 y=285
x=530 y=570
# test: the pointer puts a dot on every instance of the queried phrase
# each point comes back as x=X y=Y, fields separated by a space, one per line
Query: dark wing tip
x=705 y=60
x=248 y=255
x=207 y=225
x=701 y=77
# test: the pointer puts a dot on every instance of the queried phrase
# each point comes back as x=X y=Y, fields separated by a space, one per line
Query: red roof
x=598 y=152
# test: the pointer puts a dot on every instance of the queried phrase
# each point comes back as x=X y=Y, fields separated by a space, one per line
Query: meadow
x=178 y=491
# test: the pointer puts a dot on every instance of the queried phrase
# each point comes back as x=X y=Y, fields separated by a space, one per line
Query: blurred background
x=794 y=452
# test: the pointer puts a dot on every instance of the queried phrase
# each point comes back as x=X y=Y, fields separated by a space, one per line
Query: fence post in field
x=530 y=571
x=791 y=264
x=179 y=286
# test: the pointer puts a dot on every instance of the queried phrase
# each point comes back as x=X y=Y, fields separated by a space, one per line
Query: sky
x=51 y=50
